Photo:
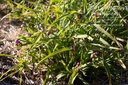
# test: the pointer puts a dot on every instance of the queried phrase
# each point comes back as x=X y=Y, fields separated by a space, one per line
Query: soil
x=9 y=31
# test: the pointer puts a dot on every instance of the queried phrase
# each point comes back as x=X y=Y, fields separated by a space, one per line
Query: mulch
x=9 y=31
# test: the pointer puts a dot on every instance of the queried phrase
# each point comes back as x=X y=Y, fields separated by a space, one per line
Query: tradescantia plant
x=71 y=39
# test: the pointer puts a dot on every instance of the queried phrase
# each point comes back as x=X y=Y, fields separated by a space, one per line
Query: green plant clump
x=72 y=39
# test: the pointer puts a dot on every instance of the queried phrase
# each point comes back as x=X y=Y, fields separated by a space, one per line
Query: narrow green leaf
x=61 y=17
x=83 y=36
x=10 y=72
x=66 y=67
x=83 y=80
x=53 y=1
x=122 y=64
x=52 y=54
x=52 y=24
x=107 y=5
x=85 y=5
x=56 y=9
x=46 y=79
x=23 y=6
x=114 y=48
x=106 y=33
x=73 y=77
x=11 y=5
x=21 y=79
x=38 y=37
x=60 y=76
x=103 y=31
x=107 y=70
x=73 y=12
x=104 y=1
x=6 y=55
x=98 y=45
x=127 y=44
x=104 y=42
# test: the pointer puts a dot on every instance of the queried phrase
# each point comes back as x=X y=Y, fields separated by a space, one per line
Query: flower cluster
x=53 y=15
x=17 y=42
